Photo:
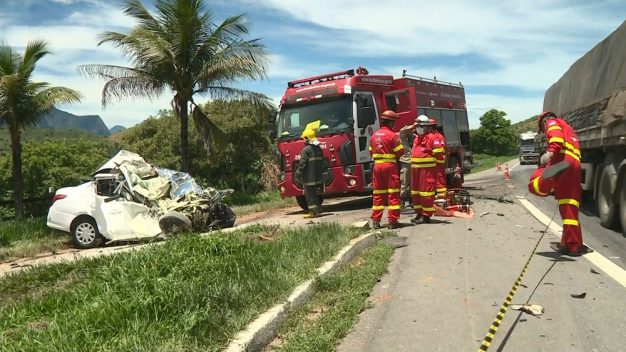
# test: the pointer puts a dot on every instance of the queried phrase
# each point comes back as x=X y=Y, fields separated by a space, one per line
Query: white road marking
x=603 y=263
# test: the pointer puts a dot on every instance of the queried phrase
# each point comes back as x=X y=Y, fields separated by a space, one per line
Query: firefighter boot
x=417 y=219
x=310 y=215
x=393 y=225
x=376 y=225
x=422 y=220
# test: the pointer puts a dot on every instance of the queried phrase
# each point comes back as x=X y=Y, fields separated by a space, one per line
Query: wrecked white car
x=129 y=199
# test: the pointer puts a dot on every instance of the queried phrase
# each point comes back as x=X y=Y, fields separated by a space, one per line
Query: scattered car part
x=174 y=222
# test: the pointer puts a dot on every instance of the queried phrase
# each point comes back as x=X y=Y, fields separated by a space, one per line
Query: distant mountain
x=58 y=119
x=116 y=128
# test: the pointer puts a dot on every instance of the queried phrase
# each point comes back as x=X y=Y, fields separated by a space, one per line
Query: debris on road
x=361 y=225
x=581 y=295
x=532 y=309
x=594 y=272
x=484 y=213
x=500 y=214
x=396 y=242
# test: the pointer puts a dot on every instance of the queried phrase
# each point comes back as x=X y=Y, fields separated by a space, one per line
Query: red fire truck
x=348 y=105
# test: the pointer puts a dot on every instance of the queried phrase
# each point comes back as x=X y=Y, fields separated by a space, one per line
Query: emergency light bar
x=322 y=78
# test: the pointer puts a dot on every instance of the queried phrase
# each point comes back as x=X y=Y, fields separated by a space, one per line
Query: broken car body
x=130 y=199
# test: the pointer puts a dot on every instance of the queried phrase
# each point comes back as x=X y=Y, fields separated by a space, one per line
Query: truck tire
x=302 y=202
x=607 y=209
x=622 y=205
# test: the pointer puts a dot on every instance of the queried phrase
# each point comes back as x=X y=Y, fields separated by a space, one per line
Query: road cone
x=506 y=172
x=498 y=167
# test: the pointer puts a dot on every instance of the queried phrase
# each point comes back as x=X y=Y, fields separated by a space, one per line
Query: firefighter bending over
x=559 y=172
x=426 y=150
x=310 y=169
x=386 y=148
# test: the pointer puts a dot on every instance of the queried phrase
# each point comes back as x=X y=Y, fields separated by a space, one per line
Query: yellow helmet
x=309 y=131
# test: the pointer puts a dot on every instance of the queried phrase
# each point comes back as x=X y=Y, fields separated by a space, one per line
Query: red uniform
x=440 y=169
x=563 y=142
x=386 y=149
x=424 y=154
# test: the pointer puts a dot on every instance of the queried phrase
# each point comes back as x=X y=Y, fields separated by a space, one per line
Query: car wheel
x=174 y=222
x=84 y=233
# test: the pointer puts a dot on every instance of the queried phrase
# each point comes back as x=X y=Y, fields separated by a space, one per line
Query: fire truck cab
x=348 y=105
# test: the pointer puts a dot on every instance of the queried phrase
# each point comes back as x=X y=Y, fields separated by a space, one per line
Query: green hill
x=530 y=124
x=42 y=134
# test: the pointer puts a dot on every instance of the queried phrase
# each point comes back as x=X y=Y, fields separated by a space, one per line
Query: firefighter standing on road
x=310 y=169
x=440 y=169
x=560 y=173
x=426 y=150
x=386 y=149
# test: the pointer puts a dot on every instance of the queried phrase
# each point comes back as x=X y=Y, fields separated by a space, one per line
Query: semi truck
x=528 y=153
x=348 y=105
x=591 y=97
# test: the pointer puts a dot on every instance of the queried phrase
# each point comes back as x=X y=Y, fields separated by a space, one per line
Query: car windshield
x=527 y=142
x=334 y=115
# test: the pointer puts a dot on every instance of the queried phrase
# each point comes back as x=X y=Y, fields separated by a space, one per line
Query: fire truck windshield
x=335 y=116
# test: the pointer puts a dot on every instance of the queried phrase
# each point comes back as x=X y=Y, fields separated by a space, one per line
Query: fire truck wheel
x=302 y=202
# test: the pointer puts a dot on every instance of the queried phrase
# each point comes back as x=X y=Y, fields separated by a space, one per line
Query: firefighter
x=559 y=172
x=440 y=170
x=386 y=149
x=310 y=169
x=424 y=154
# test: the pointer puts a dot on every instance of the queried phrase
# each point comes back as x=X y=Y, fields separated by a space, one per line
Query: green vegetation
x=486 y=161
x=319 y=324
x=189 y=294
x=28 y=237
x=181 y=47
x=41 y=135
x=530 y=124
x=23 y=102
x=495 y=135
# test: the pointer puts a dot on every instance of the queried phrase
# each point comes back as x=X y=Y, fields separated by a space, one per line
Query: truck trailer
x=348 y=105
x=591 y=97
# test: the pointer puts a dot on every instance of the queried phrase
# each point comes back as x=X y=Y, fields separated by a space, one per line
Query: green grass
x=485 y=161
x=28 y=237
x=252 y=203
x=189 y=294
x=321 y=323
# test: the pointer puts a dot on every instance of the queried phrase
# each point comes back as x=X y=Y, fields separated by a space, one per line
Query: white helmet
x=422 y=119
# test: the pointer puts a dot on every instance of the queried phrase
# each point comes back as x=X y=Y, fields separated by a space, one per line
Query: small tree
x=24 y=102
x=495 y=135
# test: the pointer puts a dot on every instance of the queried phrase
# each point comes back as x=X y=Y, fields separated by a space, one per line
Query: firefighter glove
x=545 y=158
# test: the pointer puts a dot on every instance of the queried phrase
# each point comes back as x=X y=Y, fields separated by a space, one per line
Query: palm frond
x=210 y=133
x=260 y=101
x=8 y=60
x=125 y=87
x=242 y=59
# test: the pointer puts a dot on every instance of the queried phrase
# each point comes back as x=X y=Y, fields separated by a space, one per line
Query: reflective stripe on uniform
x=398 y=147
x=314 y=183
x=556 y=140
x=382 y=161
x=569 y=201
x=378 y=207
x=554 y=128
x=383 y=156
x=423 y=160
x=394 y=207
x=415 y=193
x=428 y=209
x=379 y=191
x=417 y=207
x=570 y=154
x=441 y=190
x=419 y=166
x=315 y=158
x=572 y=222
x=427 y=194
x=441 y=161
x=438 y=150
x=536 y=187
x=393 y=190
x=572 y=148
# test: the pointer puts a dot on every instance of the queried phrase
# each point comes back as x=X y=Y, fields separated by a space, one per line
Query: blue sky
x=506 y=53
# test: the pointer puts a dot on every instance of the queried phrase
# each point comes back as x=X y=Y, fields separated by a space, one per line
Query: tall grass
x=244 y=203
x=190 y=294
x=28 y=237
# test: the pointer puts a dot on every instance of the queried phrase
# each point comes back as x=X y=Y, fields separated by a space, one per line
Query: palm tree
x=183 y=49
x=24 y=102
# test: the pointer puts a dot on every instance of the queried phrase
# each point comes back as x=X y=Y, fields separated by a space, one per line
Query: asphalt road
x=443 y=291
